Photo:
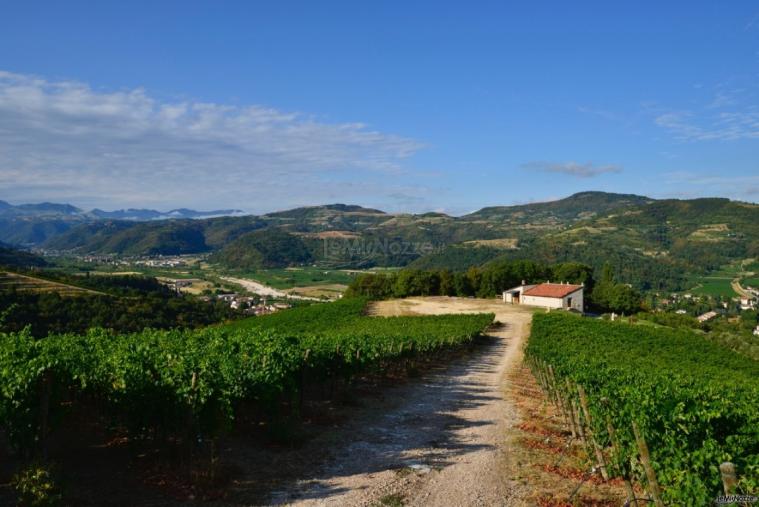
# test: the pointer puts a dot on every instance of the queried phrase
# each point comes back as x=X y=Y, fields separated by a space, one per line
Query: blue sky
x=405 y=106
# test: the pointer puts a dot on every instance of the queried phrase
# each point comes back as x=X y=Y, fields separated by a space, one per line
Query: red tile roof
x=552 y=290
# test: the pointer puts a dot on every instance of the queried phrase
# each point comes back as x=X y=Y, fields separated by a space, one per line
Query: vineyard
x=192 y=385
x=663 y=409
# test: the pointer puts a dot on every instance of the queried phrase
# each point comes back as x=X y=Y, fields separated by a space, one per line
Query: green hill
x=576 y=207
x=130 y=238
x=272 y=248
x=652 y=244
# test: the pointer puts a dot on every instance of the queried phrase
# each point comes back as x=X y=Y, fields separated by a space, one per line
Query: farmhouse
x=704 y=317
x=747 y=303
x=547 y=295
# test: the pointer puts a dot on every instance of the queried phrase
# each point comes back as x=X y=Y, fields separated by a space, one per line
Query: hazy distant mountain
x=150 y=214
x=33 y=224
x=42 y=209
x=49 y=209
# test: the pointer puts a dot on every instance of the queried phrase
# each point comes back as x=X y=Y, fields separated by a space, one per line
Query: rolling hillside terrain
x=652 y=244
x=344 y=224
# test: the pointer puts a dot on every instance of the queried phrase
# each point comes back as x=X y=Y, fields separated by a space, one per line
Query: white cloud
x=65 y=140
x=729 y=116
x=586 y=170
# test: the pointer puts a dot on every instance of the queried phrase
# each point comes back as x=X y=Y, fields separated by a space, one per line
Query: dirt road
x=738 y=289
x=264 y=290
x=441 y=441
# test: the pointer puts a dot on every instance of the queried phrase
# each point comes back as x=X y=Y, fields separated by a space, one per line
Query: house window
x=569 y=302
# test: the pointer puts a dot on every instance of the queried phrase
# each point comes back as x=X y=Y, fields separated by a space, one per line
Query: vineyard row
x=664 y=409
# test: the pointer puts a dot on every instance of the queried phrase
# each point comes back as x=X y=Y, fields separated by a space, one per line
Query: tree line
x=492 y=279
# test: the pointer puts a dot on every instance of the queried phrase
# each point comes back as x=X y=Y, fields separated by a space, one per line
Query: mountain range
x=649 y=243
x=32 y=224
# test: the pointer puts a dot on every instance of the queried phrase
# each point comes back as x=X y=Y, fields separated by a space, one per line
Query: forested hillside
x=264 y=249
x=579 y=206
x=651 y=244
x=12 y=258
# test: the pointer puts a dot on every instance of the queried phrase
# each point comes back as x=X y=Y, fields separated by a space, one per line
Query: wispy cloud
x=65 y=140
x=722 y=126
x=714 y=183
x=730 y=115
x=585 y=170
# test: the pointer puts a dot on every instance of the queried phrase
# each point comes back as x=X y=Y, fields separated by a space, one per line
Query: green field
x=193 y=269
x=717 y=283
x=288 y=278
x=280 y=278
x=712 y=286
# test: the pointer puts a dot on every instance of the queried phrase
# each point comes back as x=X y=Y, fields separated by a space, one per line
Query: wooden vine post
x=550 y=388
x=543 y=378
x=601 y=461
x=563 y=403
x=645 y=457
x=574 y=412
x=537 y=369
x=632 y=502
x=552 y=395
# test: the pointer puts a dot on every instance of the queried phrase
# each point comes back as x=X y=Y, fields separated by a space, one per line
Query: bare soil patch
x=554 y=468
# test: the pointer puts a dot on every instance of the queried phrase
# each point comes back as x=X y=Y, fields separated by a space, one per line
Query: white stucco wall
x=546 y=302
x=542 y=301
x=509 y=295
x=577 y=300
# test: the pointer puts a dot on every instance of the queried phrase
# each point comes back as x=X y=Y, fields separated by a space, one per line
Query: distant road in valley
x=264 y=290
x=739 y=289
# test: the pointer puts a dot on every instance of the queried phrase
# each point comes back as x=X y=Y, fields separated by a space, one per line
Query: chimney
x=524 y=283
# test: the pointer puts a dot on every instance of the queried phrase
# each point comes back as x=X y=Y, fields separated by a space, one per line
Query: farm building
x=547 y=295
x=707 y=316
